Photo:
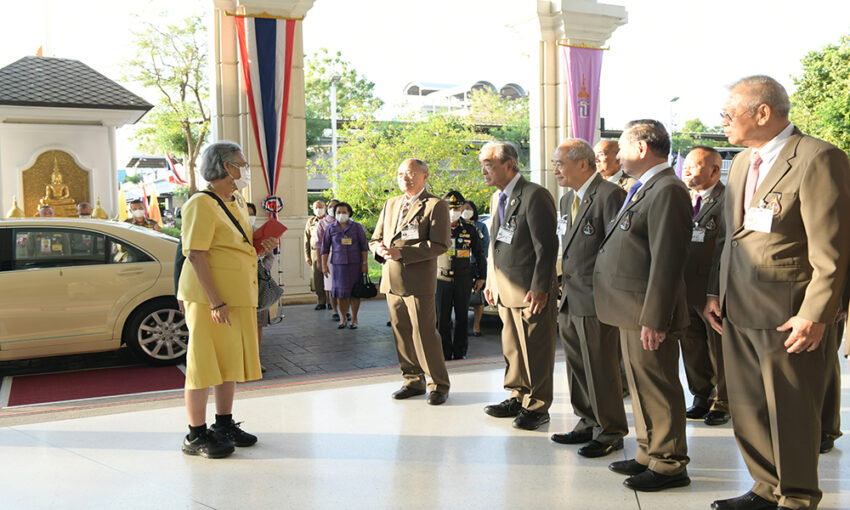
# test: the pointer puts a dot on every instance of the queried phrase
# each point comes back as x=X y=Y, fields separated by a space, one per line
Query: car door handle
x=131 y=272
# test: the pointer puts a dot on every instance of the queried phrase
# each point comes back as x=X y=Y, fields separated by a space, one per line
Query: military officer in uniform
x=311 y=255
x=456 y=277
x=701 y=351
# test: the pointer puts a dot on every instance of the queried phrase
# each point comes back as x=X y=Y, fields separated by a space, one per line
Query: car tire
x=156 y=333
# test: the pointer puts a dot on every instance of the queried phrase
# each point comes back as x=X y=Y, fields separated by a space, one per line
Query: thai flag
x=174 y=177
x=265 y=47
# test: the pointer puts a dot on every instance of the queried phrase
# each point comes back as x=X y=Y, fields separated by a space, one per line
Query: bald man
x=609 y=166
x=84 y=210
x=701 y=352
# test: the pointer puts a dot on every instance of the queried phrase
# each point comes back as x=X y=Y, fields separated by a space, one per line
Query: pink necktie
x=752 y=179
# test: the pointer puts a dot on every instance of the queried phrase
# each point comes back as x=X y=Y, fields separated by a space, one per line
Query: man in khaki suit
x=521 y=281
x=609 y=166
x=776 y=286
x=311 y=255
x=593 y=371
x=701 y=352
x=639 y=287
x=412 y=231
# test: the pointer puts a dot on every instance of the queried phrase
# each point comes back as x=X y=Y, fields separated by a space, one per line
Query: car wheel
x=156 y=333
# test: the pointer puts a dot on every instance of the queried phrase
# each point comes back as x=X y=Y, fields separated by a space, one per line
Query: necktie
x=752 y=179
x=502 y=199
x=697 y=205
x=632 y=190
x=574 y=208
x=405 y=208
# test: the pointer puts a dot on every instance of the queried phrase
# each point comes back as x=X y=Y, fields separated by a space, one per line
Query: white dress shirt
x=770 y=152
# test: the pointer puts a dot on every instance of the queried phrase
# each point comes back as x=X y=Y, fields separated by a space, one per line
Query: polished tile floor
x=347 y=445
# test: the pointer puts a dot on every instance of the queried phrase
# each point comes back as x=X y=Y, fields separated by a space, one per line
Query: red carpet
x=105 y=382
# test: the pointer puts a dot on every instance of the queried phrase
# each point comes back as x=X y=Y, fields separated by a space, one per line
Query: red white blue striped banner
x=265 y=47
x=171 y=168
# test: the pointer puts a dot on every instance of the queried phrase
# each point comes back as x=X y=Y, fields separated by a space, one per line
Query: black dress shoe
x=629 y=467
x=650 y=481
x=436 y=398
x=595 y=449
x=319 y=307
x=572 y=437
x=476 y=333
x=335 y=317
x=530 y=420
x=749 y=501
x=407 y=392
x=714 y=418
x=505 y=409
x=696 y=412
x=826 y=444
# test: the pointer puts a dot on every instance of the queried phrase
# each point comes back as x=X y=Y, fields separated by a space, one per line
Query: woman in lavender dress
x=344 y=244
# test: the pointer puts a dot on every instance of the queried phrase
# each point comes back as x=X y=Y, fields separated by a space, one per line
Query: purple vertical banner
x=583 y=70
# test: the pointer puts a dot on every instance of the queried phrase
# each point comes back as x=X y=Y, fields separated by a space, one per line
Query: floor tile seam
x=121 y=472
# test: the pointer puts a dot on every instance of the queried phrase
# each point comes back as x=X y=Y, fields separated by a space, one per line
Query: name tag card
x=698 y=235
x=505 y=235
x=759 y=219
x=346 y=241
x=562 y=227
x=410 y=233
x=463 y=254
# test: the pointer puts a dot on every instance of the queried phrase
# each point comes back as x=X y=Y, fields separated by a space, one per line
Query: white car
x=70 y=285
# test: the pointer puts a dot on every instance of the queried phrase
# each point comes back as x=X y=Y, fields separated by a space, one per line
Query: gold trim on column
x=581 y=45
x=263 y=15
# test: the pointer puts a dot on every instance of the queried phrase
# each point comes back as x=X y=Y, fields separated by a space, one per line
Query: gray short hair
x=762 y=89
x=650 y=131
x=214 y=157
x=580 y=150
x=504 y=151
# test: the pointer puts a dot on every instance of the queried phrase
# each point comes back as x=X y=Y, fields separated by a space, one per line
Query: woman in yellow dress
x=218 y=289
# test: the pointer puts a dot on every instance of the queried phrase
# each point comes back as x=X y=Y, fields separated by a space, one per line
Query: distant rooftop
x=61 y=82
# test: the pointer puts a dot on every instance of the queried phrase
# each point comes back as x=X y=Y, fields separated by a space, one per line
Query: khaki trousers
x=702 y=356
x=776 y=401
x=593 y=373
x=418 y=345
x=658 y=403
x=528 y=344
x=322 y=296
x=831 y=414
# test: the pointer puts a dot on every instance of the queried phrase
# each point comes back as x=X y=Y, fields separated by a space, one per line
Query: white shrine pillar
x=574 y=22
x=232 y=121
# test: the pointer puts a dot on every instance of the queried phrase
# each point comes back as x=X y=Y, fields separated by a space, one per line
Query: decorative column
x=231 y=120
x=572 y=22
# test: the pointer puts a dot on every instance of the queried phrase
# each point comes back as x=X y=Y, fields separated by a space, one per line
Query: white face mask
x=242 y=182
x=252 y=219
x=454 y=215
x=85 y=216
x=331 y=213
x=319 y=211
x=138 y=213
x=342 y=217
x=466 y=214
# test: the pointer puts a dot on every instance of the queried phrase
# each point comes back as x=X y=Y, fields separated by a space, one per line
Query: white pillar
x=231 y=121
x=575 y=22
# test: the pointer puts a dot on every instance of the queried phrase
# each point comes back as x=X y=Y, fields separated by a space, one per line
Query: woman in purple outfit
x=345 y=242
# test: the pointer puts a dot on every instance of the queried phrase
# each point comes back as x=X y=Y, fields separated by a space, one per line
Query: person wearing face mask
x=456 y=275
x=469 y=213
x=344 y=244
x=266 y=259
x=327 y=221
x=137 y=216
x=312 y=254
x=84 y=210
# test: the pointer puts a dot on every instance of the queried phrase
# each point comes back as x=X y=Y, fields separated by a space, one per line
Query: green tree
x=822 y=99
x=508 y=118
x=172 y=59
x=355 y=95
x=366 y=172
x=691 y=136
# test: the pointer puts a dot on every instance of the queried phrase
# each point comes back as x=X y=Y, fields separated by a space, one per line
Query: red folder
x=271 y=228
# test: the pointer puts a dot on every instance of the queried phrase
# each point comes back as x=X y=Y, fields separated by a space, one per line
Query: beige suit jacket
x=580 y=243
x=528 y=261
x=709 y=220
x=416 y=273
x=638 y=278
x=625 y=182
x=800 y=267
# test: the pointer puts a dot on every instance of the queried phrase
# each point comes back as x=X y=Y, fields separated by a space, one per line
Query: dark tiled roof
x=50 y=81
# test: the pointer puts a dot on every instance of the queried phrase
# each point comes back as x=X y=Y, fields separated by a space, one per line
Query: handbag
x=364 y=288
x=268 y=291
x=477 y=298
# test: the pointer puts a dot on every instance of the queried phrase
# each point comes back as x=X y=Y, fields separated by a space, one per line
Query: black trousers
x=454 y=294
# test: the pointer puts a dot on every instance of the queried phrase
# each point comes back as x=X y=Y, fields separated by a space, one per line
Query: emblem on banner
x=583 y=100
x=273 y=204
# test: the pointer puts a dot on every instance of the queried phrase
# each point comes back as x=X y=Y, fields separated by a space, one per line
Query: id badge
x=759 y=219
x=410 y=233
x=562 y=227
x=346 y=241
x=505 y=235
x=698 y=235
x=463 y=254
x=451 y=252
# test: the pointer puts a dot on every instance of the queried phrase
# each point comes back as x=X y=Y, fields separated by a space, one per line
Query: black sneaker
x=207 y=445
x=234 y=434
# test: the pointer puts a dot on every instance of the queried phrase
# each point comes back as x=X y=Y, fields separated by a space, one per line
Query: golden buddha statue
x=57 y=194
